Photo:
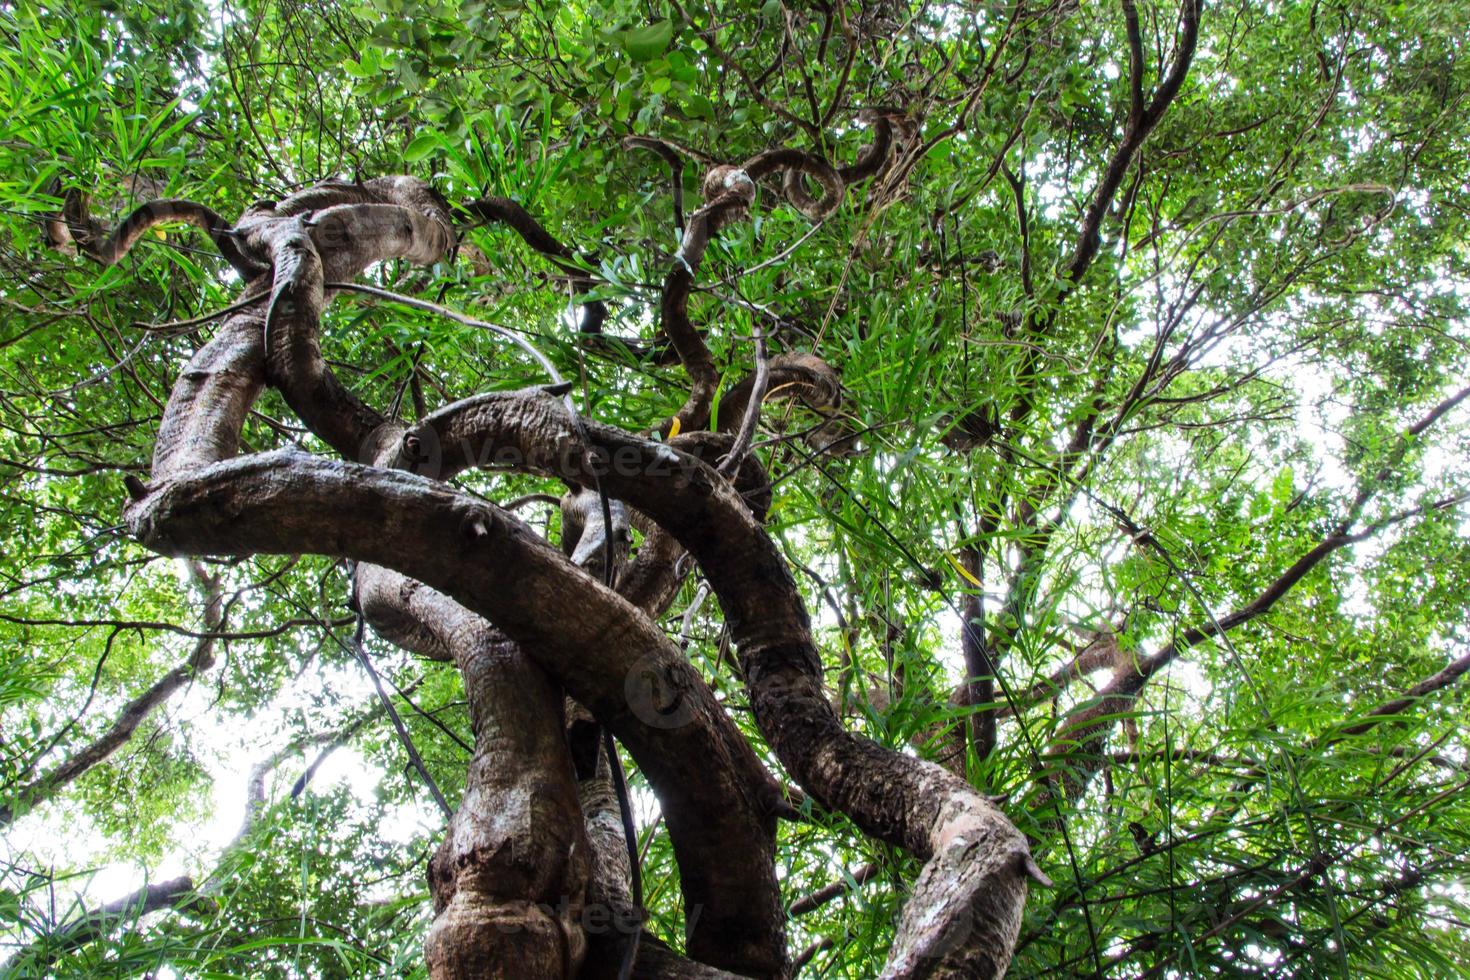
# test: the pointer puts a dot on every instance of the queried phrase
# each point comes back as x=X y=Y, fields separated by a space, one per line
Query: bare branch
x=1436 y=682
x=1141 y=121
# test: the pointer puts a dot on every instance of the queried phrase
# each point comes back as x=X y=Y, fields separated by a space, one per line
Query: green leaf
x=698 y=106
x=647 y=43
x=420 y=147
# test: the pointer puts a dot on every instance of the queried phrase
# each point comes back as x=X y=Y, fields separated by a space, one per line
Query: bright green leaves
x=1324 y=322
x=367 y=66
x=647 y=43
x=421 y=146
x=648 y=72
x=698 y=106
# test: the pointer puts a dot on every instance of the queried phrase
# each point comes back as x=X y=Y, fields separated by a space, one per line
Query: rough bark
x=510 y=878
x=449 y=565
x=715 y=790
x=977 y=859
x=716 y=796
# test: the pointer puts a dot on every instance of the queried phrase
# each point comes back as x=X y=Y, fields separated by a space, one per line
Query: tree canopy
x=1093 y=375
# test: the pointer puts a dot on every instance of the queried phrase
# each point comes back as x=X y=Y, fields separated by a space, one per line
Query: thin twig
x=746 y=432
x=457 y=317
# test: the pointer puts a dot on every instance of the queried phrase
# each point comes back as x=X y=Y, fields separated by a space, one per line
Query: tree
x=1063 y=406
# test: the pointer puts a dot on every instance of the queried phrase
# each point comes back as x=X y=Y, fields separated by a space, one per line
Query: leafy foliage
x=1279 y=296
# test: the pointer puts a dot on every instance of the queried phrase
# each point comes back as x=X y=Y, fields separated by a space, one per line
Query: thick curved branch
x=359 y=224
x=795 y=165
x=715 y=793
x=500 y=570
x=211 y=398
x=729 y=193
x=805 y=377
x=75 y=227
x=977 y=862
x=336 y=244
x=652 y=580
x=507 y=692
x=875 y=155
x=293 y=355
x=400 y=188
x=509 y=879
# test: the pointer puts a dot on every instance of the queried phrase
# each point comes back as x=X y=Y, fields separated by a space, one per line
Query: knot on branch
x=729 y=193
x=727 y=180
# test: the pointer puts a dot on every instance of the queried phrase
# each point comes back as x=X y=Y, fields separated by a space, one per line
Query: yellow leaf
x=964 y=572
